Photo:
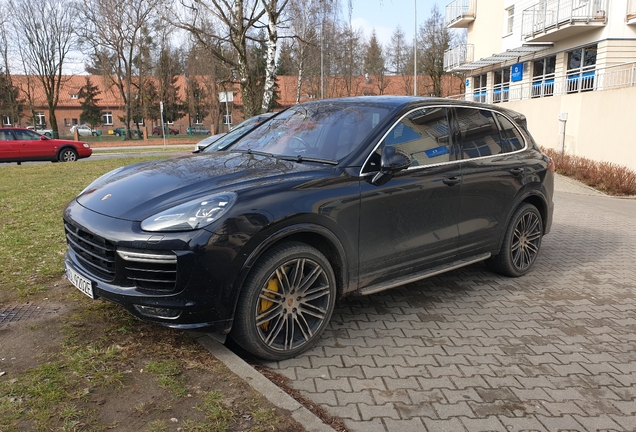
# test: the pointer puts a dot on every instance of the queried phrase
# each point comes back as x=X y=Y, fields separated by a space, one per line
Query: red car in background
x=22 y=145
x=157 y=130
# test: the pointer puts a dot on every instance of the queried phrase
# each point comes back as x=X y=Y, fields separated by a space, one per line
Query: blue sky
x=386 y=15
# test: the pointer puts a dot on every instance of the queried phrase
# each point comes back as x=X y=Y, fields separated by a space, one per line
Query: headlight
x=191 y=215
x=86 y=145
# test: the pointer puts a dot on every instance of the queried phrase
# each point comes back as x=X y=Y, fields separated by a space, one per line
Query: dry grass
x=607 y=177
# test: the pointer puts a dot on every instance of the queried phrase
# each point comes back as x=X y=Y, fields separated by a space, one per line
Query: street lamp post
x=415 y=50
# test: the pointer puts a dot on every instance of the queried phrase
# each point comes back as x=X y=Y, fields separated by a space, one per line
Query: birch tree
x=273 y=10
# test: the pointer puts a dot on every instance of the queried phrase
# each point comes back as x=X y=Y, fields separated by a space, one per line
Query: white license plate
x=80 y=282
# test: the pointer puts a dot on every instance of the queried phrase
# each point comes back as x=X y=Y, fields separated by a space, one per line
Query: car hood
x=140 y=191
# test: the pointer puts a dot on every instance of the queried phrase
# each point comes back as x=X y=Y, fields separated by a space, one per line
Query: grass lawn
x=92 y=366
x=32 y=242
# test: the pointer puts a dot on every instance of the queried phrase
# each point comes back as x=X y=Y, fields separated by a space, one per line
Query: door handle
x=516 y=171
x=451 y=181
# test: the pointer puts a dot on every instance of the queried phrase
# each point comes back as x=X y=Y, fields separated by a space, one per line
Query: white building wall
x=600 y=126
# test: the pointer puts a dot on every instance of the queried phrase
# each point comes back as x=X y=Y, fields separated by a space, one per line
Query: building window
x=67 y=122
x=74 y=96
x=107 y=118
x=39 y=119
x=479 y=88
x=74 y=122
x=510 y=19
x=227 y=119
x=581 y=66
x=501 y=91
x=6 y=120
x=197 y=119
x=543 y=71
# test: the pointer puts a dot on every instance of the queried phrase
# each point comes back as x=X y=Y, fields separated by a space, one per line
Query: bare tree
x=116 y=32
x=45 y=33
x=10 y=103
x=434 y=39
x=223 y=29
x=399 y=58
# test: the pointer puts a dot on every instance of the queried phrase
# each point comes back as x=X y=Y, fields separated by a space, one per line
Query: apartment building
x=568 y=65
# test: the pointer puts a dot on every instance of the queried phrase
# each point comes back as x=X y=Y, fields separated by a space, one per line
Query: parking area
x=470 y=350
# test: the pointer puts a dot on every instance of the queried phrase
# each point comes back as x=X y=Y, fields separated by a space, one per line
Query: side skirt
x=372 y=289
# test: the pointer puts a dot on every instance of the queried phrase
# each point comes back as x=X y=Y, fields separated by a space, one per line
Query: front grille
x=150 y=271
x=96 y=254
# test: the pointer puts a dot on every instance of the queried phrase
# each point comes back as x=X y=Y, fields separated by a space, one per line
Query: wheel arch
x=315 y=236
x=541 y=204
x=534 y=198
x=66 y=147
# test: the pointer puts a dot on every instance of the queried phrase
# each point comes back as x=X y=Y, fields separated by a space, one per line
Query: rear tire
x=521 y=243
x=67 y=155
x=286 y=302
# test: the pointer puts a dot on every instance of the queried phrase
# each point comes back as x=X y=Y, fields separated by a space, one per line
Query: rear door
x=411 y=222
x=492 y=175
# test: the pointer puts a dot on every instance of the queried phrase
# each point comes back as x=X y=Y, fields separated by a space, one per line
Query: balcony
x=631 y=12
x=460 y=13
x=554 y=20
x=458 y=56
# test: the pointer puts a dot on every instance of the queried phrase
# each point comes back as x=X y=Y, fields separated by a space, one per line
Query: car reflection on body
x=328 y=198
x=233 y=135
x=23 y=145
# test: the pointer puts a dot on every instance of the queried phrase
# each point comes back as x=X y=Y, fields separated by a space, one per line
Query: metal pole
x=415 y=51
x=163 y=128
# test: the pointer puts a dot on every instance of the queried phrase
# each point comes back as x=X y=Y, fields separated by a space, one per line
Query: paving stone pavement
x=472 y=351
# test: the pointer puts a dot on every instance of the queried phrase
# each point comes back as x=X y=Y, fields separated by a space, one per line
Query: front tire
x=67 y=155
x=521 y=243
x=286 y=302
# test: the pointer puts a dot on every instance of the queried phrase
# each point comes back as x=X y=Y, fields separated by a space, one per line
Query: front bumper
x=180 y=280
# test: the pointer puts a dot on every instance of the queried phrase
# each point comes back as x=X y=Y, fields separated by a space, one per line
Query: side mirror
x=392 y=160
x=43 y=138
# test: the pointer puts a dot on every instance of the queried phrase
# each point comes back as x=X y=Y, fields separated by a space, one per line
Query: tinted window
x=479 y=134
x=423 y=134
x=5 y=135
x=510 y=138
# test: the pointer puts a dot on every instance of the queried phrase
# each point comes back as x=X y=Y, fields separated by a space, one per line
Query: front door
x=411 y=221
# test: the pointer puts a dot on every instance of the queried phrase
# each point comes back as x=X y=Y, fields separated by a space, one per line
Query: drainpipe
x=563 y=118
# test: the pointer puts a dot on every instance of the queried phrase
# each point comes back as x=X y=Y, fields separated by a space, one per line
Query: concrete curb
x=261 y=384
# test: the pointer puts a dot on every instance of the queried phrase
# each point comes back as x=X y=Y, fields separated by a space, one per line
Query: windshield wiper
x=251 y=152
x=301 y=159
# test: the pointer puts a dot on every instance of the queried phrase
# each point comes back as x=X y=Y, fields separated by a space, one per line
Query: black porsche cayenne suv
x=326 y=198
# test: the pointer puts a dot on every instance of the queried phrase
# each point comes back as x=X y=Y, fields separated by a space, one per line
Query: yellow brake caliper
x=272 y=285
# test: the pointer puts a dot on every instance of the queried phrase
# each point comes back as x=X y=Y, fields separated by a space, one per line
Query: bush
x=607 y=177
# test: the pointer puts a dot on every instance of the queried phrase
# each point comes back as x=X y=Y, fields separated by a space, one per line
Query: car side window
x=424 y=135
x=25 y=135
x=511 y=140
x=5 y=136
x=478 y=133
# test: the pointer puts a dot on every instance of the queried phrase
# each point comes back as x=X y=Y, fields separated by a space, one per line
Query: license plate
x=80 y=282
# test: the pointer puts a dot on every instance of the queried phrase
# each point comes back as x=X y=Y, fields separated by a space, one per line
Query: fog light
x=155 y=312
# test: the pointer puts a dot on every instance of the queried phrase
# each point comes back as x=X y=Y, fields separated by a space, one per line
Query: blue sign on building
x=516 y=72
x=467 y=82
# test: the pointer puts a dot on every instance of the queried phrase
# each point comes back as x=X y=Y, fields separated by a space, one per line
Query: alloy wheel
x=293 y=305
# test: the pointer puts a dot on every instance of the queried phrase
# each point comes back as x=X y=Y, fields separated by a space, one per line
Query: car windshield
x=239 y=131
x=321 y=131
